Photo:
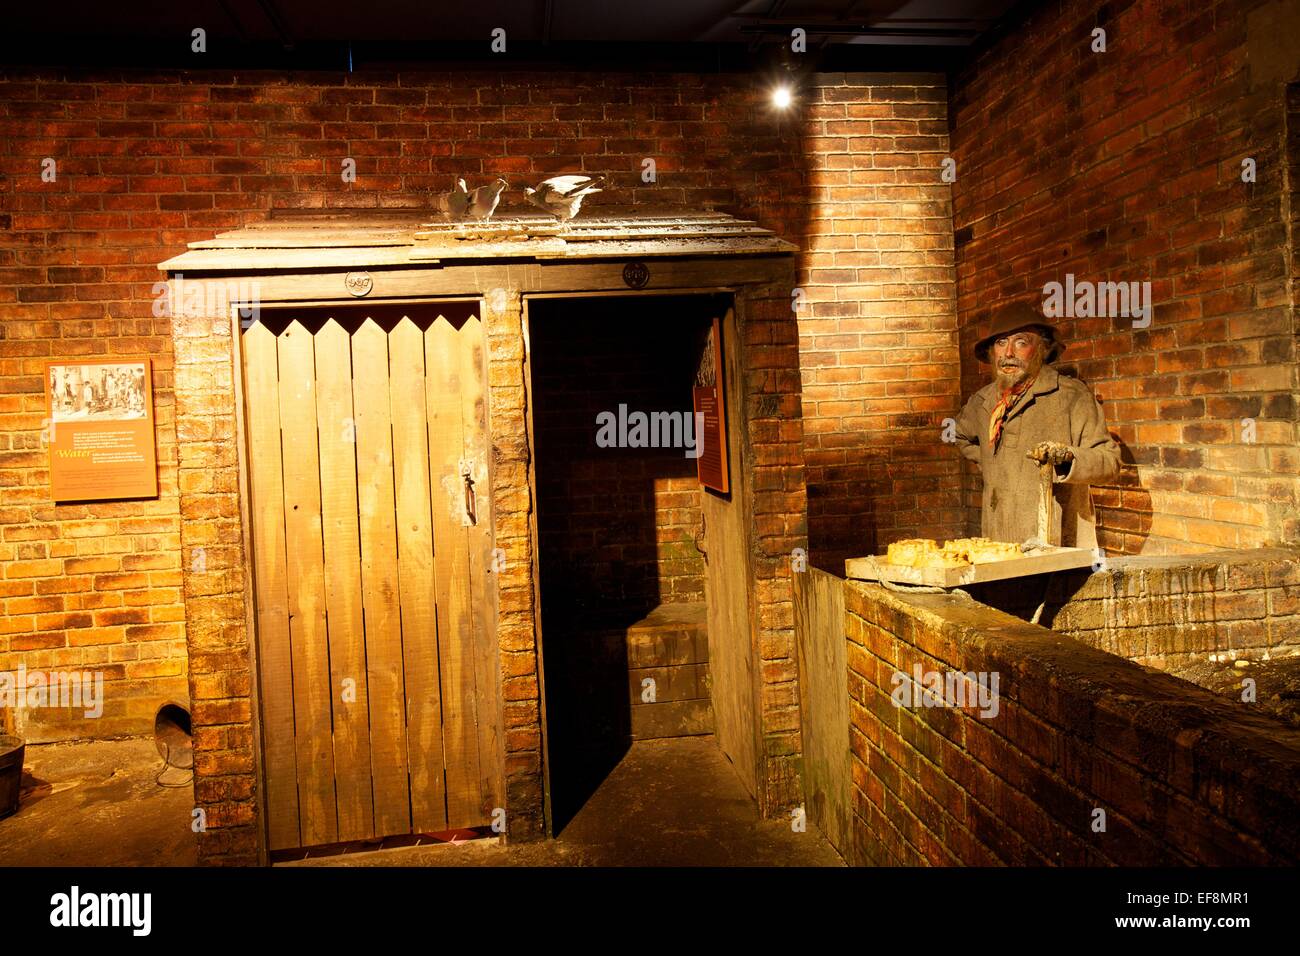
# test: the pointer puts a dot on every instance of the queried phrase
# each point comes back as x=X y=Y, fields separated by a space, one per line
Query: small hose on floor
x=167 y=765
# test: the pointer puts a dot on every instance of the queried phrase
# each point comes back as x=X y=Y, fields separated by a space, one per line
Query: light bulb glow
x=781 y=97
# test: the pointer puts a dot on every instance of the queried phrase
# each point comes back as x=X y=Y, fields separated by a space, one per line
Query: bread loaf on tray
x=956 y=553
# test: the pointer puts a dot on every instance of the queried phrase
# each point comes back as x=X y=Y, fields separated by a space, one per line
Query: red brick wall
x=1182 y=775
x=1126 y=166
x=148 y=162
x=877 y=339
x=92 y=588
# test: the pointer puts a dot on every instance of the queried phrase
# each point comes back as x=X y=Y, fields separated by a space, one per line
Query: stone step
x=674 y=718
x=674 y=682
x=671 y=634
x=670 y=645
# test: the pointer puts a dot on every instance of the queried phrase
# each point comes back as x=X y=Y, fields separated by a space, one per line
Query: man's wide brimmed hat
x=1017 y=317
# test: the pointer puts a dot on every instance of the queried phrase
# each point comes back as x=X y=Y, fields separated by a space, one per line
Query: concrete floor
x=1277 y=682
x=675 y=802
x=97 y=804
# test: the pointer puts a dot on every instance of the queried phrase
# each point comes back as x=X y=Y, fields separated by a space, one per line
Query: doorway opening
x=620 y=529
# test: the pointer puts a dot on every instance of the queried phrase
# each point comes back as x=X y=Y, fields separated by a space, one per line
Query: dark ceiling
x=720 y=34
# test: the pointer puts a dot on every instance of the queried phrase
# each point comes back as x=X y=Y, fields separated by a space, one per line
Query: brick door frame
x=215 y=530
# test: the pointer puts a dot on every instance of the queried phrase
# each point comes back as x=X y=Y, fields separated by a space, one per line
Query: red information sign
x=711 y=413
x=100 y=429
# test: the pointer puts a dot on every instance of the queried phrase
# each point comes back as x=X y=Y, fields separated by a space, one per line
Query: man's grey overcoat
x=1057 y=408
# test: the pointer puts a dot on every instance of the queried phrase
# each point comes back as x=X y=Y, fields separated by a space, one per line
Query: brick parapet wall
x=1127 y=166
x=1184 y=777
x=1169 y=611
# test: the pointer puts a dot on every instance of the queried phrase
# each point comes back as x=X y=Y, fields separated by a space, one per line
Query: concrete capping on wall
x=1183 y=776
x=1246 y=602
x=1170 y=611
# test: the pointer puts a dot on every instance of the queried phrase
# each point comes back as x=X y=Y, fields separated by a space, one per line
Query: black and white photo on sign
x=80 y=393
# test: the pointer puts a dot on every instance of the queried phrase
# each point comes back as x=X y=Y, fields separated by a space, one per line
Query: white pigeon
x=483 y=201
x=455 y=204
x=562 y=195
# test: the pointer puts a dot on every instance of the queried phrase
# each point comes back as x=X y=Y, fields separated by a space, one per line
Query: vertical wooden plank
x=271 y=600
x=451 y=573
x=342 y=539
x=727 y=584
x=539 y=634
x=820 y=644
x=379 y=585
x=416 y=578
x=487 y=668
x=305 y=571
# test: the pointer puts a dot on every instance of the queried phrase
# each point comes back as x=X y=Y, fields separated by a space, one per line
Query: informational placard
x=100 y=429
x=711 y=412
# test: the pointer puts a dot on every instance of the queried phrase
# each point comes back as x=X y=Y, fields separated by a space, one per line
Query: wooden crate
x=1040 y=561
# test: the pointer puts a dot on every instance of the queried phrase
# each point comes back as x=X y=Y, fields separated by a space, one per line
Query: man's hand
x=1052 y=451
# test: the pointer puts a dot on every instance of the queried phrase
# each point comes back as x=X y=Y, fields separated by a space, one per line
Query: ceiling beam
x=234 y=20
x=782 y=27
x=277 y=21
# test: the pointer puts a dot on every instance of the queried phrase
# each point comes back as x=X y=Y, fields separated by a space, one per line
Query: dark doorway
x=618 y=522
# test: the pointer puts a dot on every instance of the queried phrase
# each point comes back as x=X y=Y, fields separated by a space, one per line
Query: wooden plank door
x=369 y=480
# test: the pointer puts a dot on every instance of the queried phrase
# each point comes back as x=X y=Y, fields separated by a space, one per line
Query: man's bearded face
x=1017 y=357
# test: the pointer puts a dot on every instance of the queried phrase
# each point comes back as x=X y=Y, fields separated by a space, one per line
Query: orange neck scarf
x=1003 y=407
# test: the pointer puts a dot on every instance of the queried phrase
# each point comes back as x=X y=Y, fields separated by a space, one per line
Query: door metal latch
x=471 y=503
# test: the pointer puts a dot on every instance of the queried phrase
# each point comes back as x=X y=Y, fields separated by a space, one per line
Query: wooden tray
x=1040 y=561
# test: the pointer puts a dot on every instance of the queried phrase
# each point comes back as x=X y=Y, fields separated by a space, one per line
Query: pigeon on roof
x=455 y=204
x=562 y=195
x=483 y=201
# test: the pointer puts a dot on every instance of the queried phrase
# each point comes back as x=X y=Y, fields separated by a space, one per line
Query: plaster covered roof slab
x=369 y=238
